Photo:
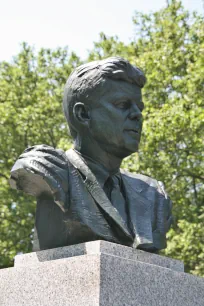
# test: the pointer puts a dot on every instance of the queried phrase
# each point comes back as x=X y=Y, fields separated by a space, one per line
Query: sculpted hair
x=85 y=79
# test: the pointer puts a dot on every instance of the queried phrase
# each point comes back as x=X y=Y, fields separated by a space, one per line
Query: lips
x=133 y=133
x=132 y=130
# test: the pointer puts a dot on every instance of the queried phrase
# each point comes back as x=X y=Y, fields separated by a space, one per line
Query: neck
x=88 y=147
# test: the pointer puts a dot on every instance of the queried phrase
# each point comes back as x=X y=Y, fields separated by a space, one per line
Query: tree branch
x=195 y=176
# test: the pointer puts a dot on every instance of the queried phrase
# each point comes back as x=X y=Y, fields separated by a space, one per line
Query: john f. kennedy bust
x=82 y=194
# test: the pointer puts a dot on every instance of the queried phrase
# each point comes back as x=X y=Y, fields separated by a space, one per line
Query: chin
x=131 y=151
x=121 y=150
x=126 y=151
x=132 y=148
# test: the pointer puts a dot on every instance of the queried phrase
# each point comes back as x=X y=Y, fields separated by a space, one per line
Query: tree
x=168 y=47
x=31 y=113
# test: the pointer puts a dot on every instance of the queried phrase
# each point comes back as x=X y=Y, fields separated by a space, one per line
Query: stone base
x=98 y=273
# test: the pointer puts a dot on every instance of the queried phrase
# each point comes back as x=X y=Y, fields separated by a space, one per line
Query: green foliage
x=186 y=242
x=168 y=46
x=31 y=113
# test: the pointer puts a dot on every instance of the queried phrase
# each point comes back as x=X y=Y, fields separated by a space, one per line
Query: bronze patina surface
x=82 y=194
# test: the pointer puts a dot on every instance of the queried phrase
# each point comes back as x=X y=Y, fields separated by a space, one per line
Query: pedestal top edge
x=98 y=247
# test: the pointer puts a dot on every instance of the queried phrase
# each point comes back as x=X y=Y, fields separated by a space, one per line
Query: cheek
x=107 y=124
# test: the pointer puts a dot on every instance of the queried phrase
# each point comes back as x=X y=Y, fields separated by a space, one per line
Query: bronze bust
x=82 y=195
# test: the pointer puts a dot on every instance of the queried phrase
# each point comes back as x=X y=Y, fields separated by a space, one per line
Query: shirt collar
x=100 y=172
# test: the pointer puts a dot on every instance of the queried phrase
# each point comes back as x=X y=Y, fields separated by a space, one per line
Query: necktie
x=113 y=191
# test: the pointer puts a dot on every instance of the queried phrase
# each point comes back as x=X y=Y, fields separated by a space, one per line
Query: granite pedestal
x=98 y=273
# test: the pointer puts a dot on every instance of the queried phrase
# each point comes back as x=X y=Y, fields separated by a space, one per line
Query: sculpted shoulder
x=141 y=182
x=41 y=169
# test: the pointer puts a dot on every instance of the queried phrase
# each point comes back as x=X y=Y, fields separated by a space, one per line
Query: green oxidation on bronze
x=82 y=194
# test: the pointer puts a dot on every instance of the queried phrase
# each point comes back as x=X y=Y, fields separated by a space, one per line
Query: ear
x=81 y=113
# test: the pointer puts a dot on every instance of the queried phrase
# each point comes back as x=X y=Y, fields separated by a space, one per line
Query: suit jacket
x=83 y=211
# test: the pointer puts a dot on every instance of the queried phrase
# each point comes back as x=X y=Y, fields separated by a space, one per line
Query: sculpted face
x=116 y=118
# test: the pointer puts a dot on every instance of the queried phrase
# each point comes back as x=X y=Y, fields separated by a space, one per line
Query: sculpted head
x=103 y=104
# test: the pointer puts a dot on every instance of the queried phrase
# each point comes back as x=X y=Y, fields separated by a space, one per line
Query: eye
x=122 y=104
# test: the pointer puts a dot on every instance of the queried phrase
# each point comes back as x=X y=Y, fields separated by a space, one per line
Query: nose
x=135 y=113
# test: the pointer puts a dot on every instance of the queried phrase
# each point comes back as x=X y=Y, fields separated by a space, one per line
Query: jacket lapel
x=139 y=210
x=96 y=191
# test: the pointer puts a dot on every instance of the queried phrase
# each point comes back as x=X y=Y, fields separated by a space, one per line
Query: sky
x=75 y=23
